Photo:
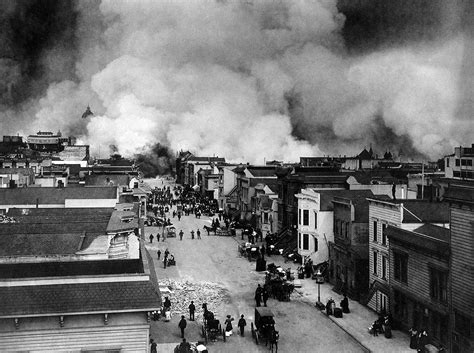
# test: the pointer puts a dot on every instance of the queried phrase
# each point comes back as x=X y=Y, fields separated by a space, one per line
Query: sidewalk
x=355 y=323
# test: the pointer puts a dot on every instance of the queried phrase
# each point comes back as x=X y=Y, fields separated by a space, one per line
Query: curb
x=348 y=332
x=363 y=346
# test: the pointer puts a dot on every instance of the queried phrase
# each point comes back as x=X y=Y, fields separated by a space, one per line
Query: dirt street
x=215 y=261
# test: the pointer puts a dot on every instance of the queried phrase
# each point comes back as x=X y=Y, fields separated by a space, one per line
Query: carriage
x=278 y=283
x=211 y=327
x=264 y=328
x=248 y=250
x=170 y=231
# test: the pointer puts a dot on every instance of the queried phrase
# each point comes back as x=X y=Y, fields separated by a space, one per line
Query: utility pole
x=422 y=180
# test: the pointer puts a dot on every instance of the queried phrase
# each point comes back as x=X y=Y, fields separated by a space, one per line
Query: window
x=315 y=220
x=458 y=163
x=384 y=235
x=375 y=231
x=375 y=263
x=299 y=216
x=299 y=240
x=306 y=217
x=384 y=267
x=447 y=162
x=315 y=244
x=265 y=217
x=346 y=230
x=400 y=267
x=462 y=324
x=305 y=241
x=438 y=285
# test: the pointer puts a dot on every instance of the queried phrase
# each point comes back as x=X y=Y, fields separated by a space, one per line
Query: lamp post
x=319 y=281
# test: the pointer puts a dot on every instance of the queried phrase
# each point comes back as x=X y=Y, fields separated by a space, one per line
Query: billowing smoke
x=255 y=79
x=158 y=160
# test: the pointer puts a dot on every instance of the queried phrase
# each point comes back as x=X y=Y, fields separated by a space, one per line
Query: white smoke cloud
x=214 y=77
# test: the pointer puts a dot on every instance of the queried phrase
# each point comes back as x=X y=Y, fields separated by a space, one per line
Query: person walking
x=182 y=325
x=151 y=238
x=192 y=234
x=228 y=325
x=198 y=233
x=258 y=295
x=158 y=237
x=181 y=234
x=192 y=309
x=158 y=253
x=242 y=323
x=264 y=296
x=153 y=346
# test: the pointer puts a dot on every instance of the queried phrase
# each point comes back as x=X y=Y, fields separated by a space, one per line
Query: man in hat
x=242 y=323
x=182 y=325
x=192 y=309
x=258 y=295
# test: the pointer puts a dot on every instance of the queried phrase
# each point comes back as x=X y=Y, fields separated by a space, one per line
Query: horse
x=272 y=338
x=209 y=229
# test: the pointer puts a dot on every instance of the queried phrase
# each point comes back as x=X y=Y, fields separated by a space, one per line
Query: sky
x=245 y=80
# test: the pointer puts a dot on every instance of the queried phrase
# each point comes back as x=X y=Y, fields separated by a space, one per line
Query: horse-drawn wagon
x=264 y=328
x=170 y=231
x=278 y=283
x=248 y=250
x=211 y=327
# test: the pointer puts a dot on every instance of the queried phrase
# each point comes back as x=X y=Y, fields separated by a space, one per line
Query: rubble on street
x=182 y=292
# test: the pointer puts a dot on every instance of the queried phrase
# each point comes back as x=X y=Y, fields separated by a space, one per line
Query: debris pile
x=6 y=219
x=182 y=292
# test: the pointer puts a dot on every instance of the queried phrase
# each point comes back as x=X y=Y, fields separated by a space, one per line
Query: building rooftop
x=24 y=171
x=460 y=193
x=56 y=268
x=358 y=197
x=205 y=159
x=122 y=221
x=430 y=212
x=419 y=211
x=21 y=244
x=361 y=205
x=262 y=171
x=49 y=195
x=427 y=238
x=107 y=179
x=61 y=299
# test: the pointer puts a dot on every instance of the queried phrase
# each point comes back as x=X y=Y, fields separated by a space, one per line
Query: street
x=215 y=260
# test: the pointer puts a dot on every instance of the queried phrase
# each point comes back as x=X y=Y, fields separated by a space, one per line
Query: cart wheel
x=256 y=337
x=252 y=330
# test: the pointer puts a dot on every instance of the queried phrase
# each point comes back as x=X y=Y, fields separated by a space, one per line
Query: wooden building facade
x=461 y=200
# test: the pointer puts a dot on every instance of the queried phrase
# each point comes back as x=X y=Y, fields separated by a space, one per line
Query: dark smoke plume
x=38 y=47
x=253 y=80
x=157 y=161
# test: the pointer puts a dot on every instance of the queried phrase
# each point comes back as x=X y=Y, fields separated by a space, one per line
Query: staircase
x=374 y=286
